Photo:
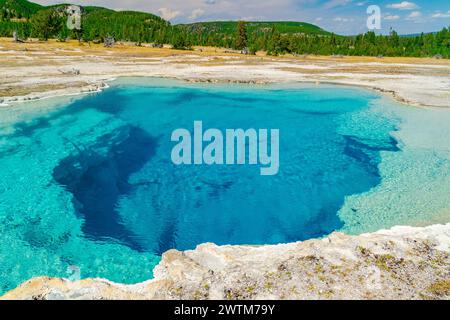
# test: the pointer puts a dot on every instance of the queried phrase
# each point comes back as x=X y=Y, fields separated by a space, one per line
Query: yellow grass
x=131 y=50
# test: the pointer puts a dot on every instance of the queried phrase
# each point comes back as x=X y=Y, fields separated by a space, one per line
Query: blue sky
x=339 y=16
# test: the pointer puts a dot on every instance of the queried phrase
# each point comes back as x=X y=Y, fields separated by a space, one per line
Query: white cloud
x=441 y=15
x=416 y=17
x=336 y=3
x=250 y=18
x=340 y=19
x=188 y=10
x=404 y=5
x=196 y=13
x=392 y=17
x=415 y=14
x=168 y=14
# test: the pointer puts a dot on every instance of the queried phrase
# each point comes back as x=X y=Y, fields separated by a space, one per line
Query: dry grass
x=76 y=49
x=11 y=91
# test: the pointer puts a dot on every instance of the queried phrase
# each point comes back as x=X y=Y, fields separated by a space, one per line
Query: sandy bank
x=38 y=70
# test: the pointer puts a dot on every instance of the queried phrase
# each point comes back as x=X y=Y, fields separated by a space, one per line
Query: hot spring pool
x=89 y=182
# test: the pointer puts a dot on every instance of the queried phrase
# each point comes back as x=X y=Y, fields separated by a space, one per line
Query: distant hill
x=223 y=33
x=18 y=8
x=229 y=27
x=123 y=25
x=30 y=20
x=413 y=35
x=97 y=22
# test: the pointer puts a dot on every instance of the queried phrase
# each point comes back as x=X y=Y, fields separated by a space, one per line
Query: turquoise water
x=88 y=182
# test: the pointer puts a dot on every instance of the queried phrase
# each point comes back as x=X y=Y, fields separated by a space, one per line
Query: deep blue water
x=92 y=184
x=132 y=192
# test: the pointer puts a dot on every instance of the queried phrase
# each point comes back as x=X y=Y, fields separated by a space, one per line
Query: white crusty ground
x=400 y=263
x=418 y=84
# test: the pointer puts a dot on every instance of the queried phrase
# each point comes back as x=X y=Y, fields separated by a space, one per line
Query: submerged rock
x=401 y=263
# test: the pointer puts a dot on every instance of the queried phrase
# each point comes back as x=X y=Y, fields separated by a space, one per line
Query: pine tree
x=46 y=23
x=181 y=42
x=274 y=45
x=241 y=36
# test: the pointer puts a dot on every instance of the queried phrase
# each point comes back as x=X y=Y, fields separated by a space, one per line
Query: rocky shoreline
x=400 y=263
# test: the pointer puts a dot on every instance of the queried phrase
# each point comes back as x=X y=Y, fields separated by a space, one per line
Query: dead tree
x=109 y=42
x=72 y=71
x=16 y=37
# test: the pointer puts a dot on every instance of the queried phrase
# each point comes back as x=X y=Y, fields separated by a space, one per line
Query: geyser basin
x=91 y=183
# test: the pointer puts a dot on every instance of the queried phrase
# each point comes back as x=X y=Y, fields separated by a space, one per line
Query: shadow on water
x=367 y=154
x=98 y=181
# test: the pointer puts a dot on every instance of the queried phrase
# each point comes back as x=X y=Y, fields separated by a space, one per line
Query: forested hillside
x=123 y=25
x=222 y=33
x=97 y=23
x=229 y=28
x=302 y=38
x=14 y=15
x=18 y=9
x=32 y=20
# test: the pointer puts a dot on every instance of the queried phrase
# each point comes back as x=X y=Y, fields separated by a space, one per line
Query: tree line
x=368 y=44
x=100 y=23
